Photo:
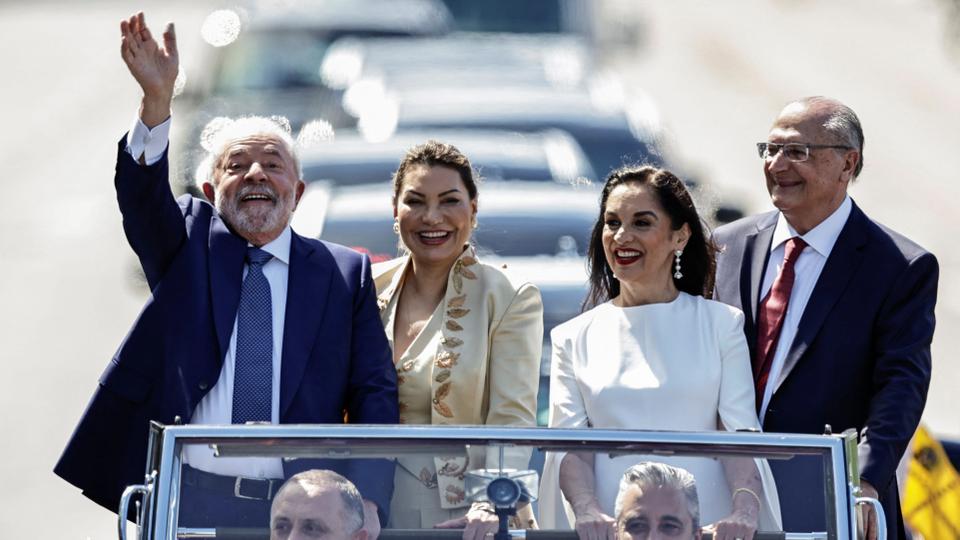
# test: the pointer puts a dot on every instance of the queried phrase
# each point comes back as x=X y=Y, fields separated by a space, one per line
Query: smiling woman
x=651 y=339
x=466 y=338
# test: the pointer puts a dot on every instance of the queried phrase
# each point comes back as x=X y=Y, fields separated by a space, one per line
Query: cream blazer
x=481 y=353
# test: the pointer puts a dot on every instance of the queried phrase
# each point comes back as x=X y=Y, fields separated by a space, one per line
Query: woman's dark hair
x=699 y=261
x=431 y=154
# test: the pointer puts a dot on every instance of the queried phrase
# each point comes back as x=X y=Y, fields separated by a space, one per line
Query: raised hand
x=153 y=66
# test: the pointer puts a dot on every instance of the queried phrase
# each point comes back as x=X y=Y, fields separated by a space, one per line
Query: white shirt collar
x=279 y=247
x=822 y=237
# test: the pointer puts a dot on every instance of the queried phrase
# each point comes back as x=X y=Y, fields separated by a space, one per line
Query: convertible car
x=503 y=467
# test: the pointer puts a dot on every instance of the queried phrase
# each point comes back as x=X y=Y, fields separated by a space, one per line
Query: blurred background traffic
x=544 y=96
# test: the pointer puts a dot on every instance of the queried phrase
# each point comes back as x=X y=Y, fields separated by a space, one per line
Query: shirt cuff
x=146 y=142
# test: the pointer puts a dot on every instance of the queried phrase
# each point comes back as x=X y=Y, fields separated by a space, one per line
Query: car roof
x=551 y=59
x=552 y=151
x=408 y=16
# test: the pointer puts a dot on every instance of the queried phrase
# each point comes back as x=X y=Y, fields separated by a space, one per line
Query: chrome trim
x=128 y=494
x=171 y=439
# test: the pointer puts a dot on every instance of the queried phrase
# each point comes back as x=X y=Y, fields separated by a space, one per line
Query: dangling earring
x=474 y=222
x=676 y=264
x=396 y=226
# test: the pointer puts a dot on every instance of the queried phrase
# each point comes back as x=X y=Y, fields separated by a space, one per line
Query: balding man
x=839 y=309
x=317 y=505
x=657 y=501
x=247 y=321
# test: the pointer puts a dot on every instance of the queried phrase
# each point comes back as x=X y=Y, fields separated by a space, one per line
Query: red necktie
x=770 y=317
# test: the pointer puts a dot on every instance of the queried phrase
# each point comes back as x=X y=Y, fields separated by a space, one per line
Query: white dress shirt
x=820 y=241
x=217 y=406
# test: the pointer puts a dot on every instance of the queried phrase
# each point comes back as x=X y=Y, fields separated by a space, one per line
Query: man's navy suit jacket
x=335 y=356
x=861 y=355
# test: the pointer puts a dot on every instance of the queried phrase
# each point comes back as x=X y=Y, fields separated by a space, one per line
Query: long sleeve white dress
x=681 y=365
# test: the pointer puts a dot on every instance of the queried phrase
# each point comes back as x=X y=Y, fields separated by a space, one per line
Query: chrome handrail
x=878 y=513
x=143 y=490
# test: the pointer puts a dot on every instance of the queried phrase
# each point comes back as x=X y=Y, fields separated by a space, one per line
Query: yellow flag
x=931 y=501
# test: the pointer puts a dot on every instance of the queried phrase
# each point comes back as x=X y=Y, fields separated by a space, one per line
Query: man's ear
x=300 y=187
x=209 y=192
x=850 y=160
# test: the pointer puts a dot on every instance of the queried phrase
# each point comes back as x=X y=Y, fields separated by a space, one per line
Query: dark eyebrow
x=673 y=520
x=318 y=524
x=650 y=213
x=447 y=192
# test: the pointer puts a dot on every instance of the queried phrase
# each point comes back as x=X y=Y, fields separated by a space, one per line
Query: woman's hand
x=478 y=523
x=740 y=525
x=592 y=523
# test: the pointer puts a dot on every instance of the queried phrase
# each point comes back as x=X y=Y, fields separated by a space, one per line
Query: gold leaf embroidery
x=457 y=301
x=442 y=392
x=447 y=359
x=455 y=467
x=453 y=325
x=443 y=410
x=382 y=302
x=457 y=282
x=402 y=406
x=457 y=313
x=442 y=375
x=467 y=273
x=401 y=379
x=452 y=342
x=427 y=478
x=455 y=495
x=407 y=366
x=468 y=261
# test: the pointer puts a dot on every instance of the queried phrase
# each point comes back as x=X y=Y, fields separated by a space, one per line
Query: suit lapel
x=843 y=262
x=308 y=282
x=227 y=254
x=755 y=254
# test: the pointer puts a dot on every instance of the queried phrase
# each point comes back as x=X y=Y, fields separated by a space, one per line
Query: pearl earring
x=396 y=226
x=676 y=264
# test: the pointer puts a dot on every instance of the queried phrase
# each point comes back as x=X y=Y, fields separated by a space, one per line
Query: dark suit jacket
x=335 y=355
x=861 y=356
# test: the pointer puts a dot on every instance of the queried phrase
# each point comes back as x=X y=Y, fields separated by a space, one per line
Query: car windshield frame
x=370 y=441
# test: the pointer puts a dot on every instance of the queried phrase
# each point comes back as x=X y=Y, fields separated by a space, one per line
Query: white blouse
x=681 y=365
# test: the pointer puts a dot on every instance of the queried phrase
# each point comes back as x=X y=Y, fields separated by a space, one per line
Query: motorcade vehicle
x=498 y=467
x=350 y=158
x=458 y=59
x=540 y=17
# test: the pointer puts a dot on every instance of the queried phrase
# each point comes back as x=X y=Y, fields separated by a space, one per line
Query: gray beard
x=246 y=222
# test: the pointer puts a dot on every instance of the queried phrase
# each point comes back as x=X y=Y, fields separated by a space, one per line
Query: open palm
x=154 y=66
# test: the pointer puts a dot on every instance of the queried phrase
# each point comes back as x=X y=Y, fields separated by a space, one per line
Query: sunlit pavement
x=67 y=295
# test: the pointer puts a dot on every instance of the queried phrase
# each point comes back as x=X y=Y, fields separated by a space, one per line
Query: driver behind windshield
x=317 y=504
x=657 y=501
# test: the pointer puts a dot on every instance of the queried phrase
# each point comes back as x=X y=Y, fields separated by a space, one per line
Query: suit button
x=202 y=386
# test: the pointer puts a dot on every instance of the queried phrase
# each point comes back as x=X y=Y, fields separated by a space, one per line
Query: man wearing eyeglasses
x=839 y=309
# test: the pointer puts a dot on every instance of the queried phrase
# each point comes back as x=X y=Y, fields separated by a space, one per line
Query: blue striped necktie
x=253 y=361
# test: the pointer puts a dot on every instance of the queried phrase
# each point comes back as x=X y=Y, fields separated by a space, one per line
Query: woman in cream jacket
x=466 y=338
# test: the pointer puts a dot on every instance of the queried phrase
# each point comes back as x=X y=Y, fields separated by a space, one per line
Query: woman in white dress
x=653 y=353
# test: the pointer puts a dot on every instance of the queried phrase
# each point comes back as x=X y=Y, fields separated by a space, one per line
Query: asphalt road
x=720 y=76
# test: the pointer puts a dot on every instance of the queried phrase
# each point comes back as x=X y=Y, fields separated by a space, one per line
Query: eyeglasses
x=793 y=151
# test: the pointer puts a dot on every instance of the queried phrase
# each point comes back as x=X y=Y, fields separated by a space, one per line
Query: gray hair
x=322 y=479
x=221 y=132
x=650 y=474
x=841 y=123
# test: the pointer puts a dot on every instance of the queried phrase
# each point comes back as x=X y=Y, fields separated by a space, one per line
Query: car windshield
x=423 y=475
x=282 y=58
x=533 y=16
